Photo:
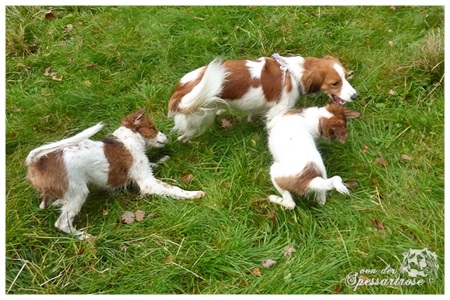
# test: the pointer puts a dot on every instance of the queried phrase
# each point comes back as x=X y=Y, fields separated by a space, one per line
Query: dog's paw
x=287 y=204
x=184 y=139
x=339 y=185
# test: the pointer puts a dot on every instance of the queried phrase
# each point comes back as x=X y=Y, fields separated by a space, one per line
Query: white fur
x=292 y=144
x=86 y=164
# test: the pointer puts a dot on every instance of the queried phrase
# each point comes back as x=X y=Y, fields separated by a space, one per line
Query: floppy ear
x=312 y=81
x=138 y=115
x=350 y=114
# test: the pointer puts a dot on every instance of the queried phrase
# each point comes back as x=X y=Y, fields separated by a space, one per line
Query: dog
x=65 y=170
x=268 y=85
x=298 y=165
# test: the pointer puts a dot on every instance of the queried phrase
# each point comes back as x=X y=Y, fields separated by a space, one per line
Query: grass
x=115 y=60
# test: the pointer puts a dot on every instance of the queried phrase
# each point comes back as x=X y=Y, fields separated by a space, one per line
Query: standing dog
x=64 y=169
x=269 y=85
x=298 y=166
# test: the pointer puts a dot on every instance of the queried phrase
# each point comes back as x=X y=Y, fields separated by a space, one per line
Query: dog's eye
x=335 y=84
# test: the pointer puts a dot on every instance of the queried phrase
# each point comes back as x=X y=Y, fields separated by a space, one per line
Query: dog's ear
x=138 y=116
x=350 y=114
x=312 y=80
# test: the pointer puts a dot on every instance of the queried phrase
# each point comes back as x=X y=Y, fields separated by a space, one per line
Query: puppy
x=269 y=85
x=64 y=170
x=298 y=166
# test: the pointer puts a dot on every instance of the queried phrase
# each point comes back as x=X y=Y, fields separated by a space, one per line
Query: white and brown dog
x=64 y=170
x=298 y=166
x=268 y=85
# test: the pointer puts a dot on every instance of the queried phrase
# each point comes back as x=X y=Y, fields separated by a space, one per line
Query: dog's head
x=329 y=76
x=139 y=123
x=335 y=126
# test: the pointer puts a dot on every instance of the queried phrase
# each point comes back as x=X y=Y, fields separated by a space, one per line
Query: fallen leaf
x=80 y=251
x=187 y=177
x=272 y=215
x=365 y=148
x=391 y=43
x=226 y=123
x=227 y=185
x=351 y=184
x=49 y=15
x=68 y=28
x=288 y=252
x=151 y=216
x=105 y=212
x=92 y=66
x=338 y=289
x=378 y=224
x=128 y=217
x=267 y=263
x=56 y=78
x=392 y=92
x=381 y=161
x=256 y=272
x=140 y=214
x=48 y=71
x=375 y=182
x=406 y=157
x=169 y=259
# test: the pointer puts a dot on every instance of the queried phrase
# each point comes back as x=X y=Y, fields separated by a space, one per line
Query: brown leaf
x=128 y=217
x=256 y=272
x=378 y=224
x=49 y=15
x=48 y=71
x=105 y=212
x=406 y=157
x=289 y=250
x=151 y=216
x=92 y=66
x=272 y=215
x=80 y=251
x=140 y=214
x=226 y=123
x=227 y=185
x=267 y=263
x=375 y=182
x=68 y=28
x=338 y=289
x=365 y=148
x=187 y=177
x=56 y=78
x=351 y=184
x=169 y=259
x=381 y=161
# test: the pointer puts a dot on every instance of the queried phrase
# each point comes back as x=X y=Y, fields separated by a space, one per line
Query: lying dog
x=268 y=85
x=64 y=169
x=298 y=166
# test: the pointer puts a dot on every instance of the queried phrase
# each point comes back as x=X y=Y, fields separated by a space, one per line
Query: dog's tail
x=204 y=95
x=37 y=153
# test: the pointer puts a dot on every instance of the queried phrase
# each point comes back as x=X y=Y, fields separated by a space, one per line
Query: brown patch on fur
x=137 y=122
x=271 y=77
x=299 y=183
x=336 y=126
x=320 y=75
x=297 y=111
x=183 y=89
x=49 y=176
x=120 y=161
x=238 y=81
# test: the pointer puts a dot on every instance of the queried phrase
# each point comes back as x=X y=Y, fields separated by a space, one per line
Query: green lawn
x=110 y=61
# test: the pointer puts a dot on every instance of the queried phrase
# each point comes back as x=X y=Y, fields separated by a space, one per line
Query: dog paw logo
x=419 y=263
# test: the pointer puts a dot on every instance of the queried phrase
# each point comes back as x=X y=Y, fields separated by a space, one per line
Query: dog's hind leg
x=193 y=124
x=286 y=200
x=320 y=185
x=73 y=201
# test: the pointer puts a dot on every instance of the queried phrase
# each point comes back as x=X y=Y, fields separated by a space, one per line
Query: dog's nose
x=354 y=96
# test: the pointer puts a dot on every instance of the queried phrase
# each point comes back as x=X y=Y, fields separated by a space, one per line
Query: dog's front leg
x=157 y=187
